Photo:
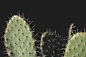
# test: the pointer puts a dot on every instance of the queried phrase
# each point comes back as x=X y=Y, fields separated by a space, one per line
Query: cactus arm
x=70 y=31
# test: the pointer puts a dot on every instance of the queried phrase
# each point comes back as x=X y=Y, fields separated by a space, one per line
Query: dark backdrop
x=45 y=15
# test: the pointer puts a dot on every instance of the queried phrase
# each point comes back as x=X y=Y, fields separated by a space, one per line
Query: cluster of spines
x=52 y=45
x=37 y=43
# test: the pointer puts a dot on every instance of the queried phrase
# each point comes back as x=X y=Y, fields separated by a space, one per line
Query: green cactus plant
x=76 y=46
x=18 y=38
x=51 y=44
x=20 y=42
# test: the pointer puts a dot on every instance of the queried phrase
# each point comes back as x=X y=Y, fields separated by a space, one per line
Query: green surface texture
x=76 y=46
x=18 y=38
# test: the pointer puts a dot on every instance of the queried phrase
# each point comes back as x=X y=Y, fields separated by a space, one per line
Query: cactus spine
x=76 y=46
x=18 y=38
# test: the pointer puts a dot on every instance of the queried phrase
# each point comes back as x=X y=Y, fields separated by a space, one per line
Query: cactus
x=18 y=38
x=76 y=46
x=51 y=44
x=20 y=41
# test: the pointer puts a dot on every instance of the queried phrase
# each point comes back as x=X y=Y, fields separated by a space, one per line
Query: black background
x=45 y=15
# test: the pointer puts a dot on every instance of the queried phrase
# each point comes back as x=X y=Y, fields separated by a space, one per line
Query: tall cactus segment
x=18 y=38
x=76 y=46
x=51 y=45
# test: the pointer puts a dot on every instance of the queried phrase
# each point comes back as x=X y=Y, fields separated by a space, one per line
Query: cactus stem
x=70 y=30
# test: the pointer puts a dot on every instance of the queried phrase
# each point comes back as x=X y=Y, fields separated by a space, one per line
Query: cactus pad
x=76 y=46
x=51 y=44
x=18 y=38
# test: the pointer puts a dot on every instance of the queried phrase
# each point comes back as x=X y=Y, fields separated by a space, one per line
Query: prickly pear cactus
x=51 y=45
x=18 y=38
x=76 y=46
